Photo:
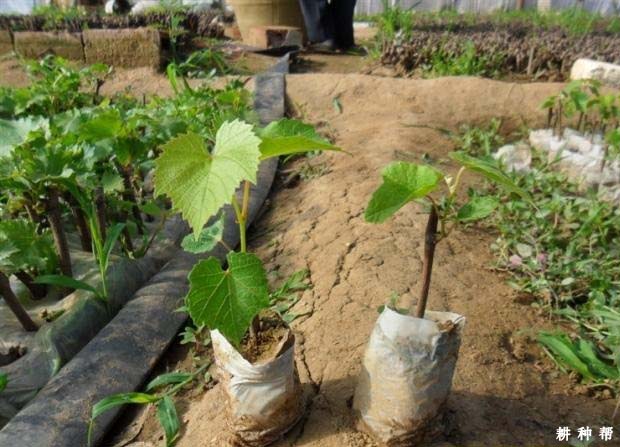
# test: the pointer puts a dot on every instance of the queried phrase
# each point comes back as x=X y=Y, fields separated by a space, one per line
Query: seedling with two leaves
x=200 y=182
x=405 y=182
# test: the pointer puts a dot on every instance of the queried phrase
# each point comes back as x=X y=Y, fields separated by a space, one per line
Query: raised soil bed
x=523 y=50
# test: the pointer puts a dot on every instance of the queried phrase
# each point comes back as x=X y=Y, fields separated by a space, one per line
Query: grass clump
x=466 y=62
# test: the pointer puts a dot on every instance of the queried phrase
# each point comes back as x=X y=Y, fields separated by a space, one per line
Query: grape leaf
x=490 y=171
x=106 y=124
x=402 y=183
x=111 y=182
x=32 y=250
x=228 y=300
x=208 y=238
x=286 y=137
x=15 y=132
x=477 y=208
x=200 y=183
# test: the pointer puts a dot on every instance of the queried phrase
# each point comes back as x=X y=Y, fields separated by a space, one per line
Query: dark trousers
x=329 y=21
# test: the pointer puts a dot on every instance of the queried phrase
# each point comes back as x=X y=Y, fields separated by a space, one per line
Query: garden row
x=80 y=167
x=489 y=47
x=122 y=41
x=75 y=20
x=74 y=162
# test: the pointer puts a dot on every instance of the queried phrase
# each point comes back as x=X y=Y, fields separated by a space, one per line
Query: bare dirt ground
x=506 y=392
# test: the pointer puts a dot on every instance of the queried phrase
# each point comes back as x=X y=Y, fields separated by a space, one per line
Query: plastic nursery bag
x=406 y=375
x=264 y=400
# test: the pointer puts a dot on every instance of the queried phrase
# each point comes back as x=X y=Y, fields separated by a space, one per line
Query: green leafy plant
x=480 y=141
x=286 y=296
x=596 y=112
x=199 y=182
x=73 y=162
x=405 y=182
x=204 y=63
x=169 y=384
x=465 y=62
x=24 y=253
x=55 y=87
x=56 y=18
x=565 y=253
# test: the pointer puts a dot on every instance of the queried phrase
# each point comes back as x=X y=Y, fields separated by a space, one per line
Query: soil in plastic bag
x=261 y=384
x=407 y=375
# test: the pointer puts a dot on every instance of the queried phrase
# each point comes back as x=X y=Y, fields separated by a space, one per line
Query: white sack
x=264 y=400
x=407 y=375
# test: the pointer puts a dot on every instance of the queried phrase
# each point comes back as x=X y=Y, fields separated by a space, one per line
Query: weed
x=566 y=253
x=480 y=141
x=205 y=63
x=464 y=62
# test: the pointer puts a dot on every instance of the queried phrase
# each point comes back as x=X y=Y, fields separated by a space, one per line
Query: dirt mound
x=506 y=392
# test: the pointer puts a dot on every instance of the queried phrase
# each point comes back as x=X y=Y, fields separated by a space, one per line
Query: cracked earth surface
x=505 y=392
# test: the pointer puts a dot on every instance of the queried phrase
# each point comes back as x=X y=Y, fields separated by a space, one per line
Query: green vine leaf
x=15 y=132
x=22 y=248
x=402 y=183
x=286 y=137
x=207 y=240
x=200 y=183
x=477 y=208
x=228 y=300
x=490 y=171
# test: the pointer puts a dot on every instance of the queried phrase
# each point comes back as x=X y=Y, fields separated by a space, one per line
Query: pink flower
x=541 y=259
x=515 y=261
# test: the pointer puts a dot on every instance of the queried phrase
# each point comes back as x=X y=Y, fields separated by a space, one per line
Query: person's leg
x=343 y=11
x=318 y=19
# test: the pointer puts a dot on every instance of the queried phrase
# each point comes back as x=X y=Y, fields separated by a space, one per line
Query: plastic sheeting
x=605 y=7
x=264 y=400
x=20 y=6
x=407 y=375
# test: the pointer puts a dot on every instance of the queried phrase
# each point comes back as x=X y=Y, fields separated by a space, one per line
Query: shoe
x=327 y=46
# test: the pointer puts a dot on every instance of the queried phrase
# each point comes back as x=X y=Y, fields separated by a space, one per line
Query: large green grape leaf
x=491 y=172
x=105 y=124
x=402 y=183
x=33 y=250
x=286 y=137
x=15 y=132
x=228 y=300
x=200 y=183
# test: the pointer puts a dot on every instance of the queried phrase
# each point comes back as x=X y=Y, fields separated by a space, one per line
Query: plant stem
x=246 y=200
x=241 y=222
x=60 y=238
x=14 y=304
x=430 y=241
x=129 y=194
x=100 y=205
x=80 y=222
x=37 y=291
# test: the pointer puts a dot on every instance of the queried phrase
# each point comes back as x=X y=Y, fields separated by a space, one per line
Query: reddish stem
x=14 y=304
x=430 y=241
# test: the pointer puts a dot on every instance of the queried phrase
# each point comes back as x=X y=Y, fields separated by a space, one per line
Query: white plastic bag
x=264 y=400
x=407 y=375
